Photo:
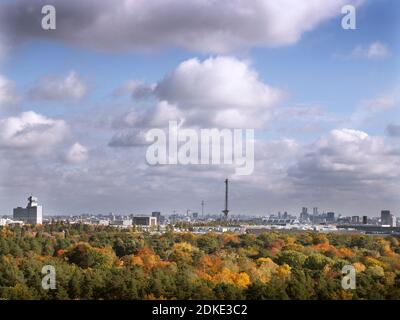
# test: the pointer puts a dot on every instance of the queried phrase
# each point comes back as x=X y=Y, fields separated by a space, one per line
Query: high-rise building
x=365 y=220
x=315 y=211
x=32 y=214
x=355 y=219
x=304 y=214
x=160 y=218
x=156 y=214
x=393 y=223
x=330 y=217
x=386 y=218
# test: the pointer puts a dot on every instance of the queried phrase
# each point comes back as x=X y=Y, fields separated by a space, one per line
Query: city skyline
x=76 y=102
x=316 y=211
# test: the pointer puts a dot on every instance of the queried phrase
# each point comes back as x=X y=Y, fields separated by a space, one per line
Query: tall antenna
x=226 y=211
x=202 y=208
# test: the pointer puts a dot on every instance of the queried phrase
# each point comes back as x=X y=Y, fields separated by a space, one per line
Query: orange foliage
x=60 y=252
x=230 y=237
x=345 y=253
x=276 y=246
x=359 y=267
x=211 y=264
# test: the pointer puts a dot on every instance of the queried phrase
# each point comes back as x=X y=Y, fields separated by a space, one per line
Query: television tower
x=226 y=211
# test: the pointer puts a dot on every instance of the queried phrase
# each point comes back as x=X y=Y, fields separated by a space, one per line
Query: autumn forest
x=106 y=263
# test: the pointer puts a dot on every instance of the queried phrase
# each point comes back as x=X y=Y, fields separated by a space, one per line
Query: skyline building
x=32 y=214
x=330 y=217
x=386 y=219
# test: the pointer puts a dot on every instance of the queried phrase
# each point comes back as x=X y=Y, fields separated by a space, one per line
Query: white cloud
x=8 y=95
x=348 y=159
x=165 y=112
x=70 y=87
x=31 y=131
x=375 y=50
x=221 y=91
x=76 y=154
x=200 y=25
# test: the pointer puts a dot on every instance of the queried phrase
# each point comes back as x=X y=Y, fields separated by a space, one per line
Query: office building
x=121 y=223
x=156 y=214
x=330 y=217
x=393 y=222
x=160 y=218
x=355 y=219
x=304 y=214
x=386 y=218
x=145 y=221
x=32 y=214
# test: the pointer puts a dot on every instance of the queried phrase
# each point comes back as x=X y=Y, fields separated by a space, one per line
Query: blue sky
x=317 y=70
x=326 y=74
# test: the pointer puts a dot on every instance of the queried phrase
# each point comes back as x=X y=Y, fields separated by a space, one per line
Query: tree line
x=108 y=263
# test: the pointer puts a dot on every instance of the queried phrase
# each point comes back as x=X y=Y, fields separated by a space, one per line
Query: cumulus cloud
x=375 y=50
x=206 y=26
x=70 y=87
x=219 y=92
x=32 y=131
x=8 y=95
x=348 y=159
x=76 y=154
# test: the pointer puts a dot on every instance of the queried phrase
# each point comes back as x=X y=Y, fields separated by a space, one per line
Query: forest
x=108 y=263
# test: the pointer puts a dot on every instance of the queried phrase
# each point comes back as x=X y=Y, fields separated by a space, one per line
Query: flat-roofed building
x=386 y=218
x=32 y=214
x=144 y=221
x=330 y=217
x=121 y=223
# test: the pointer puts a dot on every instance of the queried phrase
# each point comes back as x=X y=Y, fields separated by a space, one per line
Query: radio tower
x=226 y=211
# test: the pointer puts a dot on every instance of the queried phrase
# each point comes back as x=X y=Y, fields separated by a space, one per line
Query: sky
x=76 y=102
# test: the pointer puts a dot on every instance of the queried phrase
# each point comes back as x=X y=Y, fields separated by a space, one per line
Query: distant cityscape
x=329 y=221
